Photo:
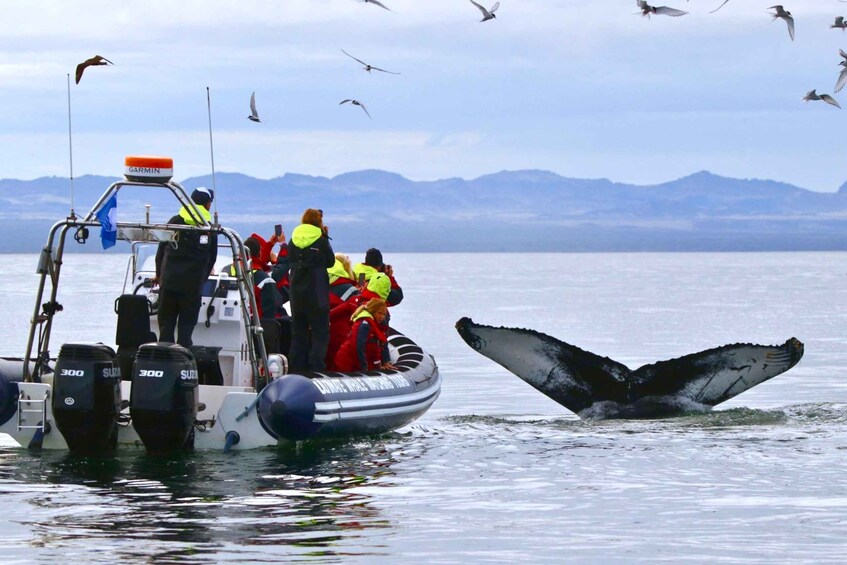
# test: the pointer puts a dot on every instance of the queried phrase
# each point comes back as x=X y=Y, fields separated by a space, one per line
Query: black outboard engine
x=87 y=397
x=163 y=402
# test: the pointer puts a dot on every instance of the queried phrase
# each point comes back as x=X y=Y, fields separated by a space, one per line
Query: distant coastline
x=509 y=211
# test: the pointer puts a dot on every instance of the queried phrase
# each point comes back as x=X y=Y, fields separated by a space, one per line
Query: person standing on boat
x=366 y=347
x=373 y=264
x=182 y=267
x=309 y=256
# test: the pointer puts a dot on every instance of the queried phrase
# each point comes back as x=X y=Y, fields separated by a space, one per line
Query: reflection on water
x=198 y=505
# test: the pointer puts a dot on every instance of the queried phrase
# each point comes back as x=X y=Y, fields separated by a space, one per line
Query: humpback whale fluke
x=595 y=386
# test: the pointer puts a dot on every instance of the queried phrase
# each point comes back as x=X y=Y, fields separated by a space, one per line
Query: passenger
x=373 y=264
x=342 y=288
x=340 y=316
x=310 y=255
x=268 y=300
x=366 y=347
x=182 y=269
x=342 y=284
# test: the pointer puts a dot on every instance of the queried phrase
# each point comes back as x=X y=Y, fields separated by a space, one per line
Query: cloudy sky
x=584 y=88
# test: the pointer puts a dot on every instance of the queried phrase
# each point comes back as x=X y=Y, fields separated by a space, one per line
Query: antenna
x=71 y=147
x=211 y=148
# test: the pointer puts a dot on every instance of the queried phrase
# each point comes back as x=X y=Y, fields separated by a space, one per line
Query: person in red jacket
x=378 y=287
x=342 y=290
x=366 y=347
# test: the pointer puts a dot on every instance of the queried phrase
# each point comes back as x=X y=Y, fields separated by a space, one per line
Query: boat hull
x=293 y=407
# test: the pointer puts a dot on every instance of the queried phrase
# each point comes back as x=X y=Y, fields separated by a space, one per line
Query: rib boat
x=226 y=392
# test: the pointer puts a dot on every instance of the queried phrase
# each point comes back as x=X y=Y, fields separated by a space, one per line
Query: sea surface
x=495 y=472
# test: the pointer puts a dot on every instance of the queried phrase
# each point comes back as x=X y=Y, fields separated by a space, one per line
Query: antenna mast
x=71 y=147
x=211 y=148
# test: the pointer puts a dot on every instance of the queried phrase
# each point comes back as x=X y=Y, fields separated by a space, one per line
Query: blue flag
x=109 y=227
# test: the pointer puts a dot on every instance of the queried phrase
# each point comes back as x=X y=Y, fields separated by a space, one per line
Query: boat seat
x=134 y=311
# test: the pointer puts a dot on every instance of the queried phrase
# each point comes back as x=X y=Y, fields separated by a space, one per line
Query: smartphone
x=278 y=230
x=361 y=279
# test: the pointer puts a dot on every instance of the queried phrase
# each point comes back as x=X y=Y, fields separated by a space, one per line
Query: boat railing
x=51 y=260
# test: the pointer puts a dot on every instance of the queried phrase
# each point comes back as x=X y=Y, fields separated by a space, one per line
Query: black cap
x=373 y=258
x=202 y=195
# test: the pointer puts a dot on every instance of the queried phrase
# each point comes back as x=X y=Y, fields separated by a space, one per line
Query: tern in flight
x=487 y=14
x=368 y=67
x=812 y=95
x=377 y=3
x=839 y=22
x=94 y=61
x=842 y=78
x=355 y=103
x=254 y=115
x=785 y=15
x=647 y=9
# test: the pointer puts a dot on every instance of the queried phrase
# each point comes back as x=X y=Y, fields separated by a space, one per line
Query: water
x=494 y=472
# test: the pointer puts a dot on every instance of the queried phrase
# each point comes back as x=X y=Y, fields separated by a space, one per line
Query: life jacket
x=347 y=358
x=260 y=279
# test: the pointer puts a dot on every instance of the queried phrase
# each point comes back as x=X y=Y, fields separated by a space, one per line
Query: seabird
x=647 y=9
x=785 y=15
x=812 y=95
x=254 y=115
x=487 y=14
x=355 y=103
x=94 y=61
x=368 y=67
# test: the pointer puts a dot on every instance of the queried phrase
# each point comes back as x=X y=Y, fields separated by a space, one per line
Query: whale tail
x=578 y=379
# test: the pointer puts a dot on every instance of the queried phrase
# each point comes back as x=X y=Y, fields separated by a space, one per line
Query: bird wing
x=102 y=60
x=494 y=8
x=719 y=7
x=839 y=20
x=481 y=8
x=345 y=101
x=79 y=70
x=842 y=53
x=830 y=100
x=365 y=109
x=378 y=3
x=790 y=21
x=383 y=70
x=842 y=80
x=354 y=58
x=253 y=105
x=665 y=11
x=642 y=4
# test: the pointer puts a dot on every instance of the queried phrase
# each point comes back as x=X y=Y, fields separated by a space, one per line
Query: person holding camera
x=309 y=256
x=373 y=264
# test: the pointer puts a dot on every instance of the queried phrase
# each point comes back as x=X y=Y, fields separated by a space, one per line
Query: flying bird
x=368 y=67
x=839 y=22
x=487 y=14
x=812 y=95
x=647 y=9
x=254 y=115
x=94 y=61
x=842 y=78
x=781 y=13
x=378 y=3
x=355 y=103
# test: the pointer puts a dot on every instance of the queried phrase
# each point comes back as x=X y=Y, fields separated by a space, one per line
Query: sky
x=582 y=88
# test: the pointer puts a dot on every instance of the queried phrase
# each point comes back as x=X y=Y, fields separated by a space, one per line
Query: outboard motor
x=87 y=397
x=163 y=402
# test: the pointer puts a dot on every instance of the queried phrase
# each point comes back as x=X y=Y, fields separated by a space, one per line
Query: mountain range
x=509 y=211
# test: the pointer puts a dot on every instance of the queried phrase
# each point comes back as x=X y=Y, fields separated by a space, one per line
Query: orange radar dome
x=148 y=168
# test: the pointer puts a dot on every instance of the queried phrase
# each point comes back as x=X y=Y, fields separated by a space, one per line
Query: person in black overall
x=182 y=267
x=309 y=256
